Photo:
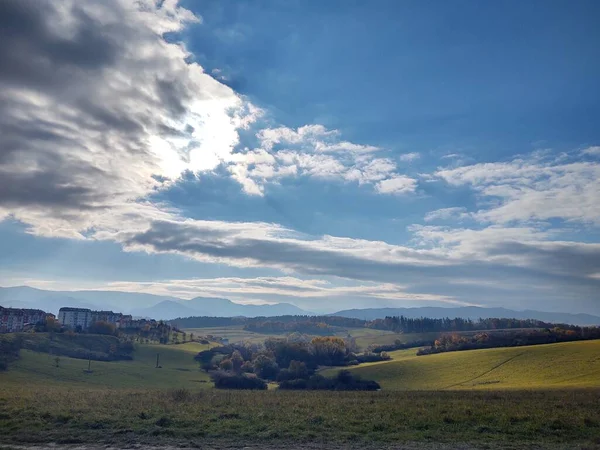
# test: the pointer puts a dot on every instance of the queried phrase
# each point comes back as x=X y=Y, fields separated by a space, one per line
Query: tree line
x=329 y=325
x=509 y=338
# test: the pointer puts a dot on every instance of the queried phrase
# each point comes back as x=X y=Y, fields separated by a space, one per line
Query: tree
x=329 y=351
x=226 y=365
x=265 y=367
x=237 y=361
x=298 y=370
x=102 y=328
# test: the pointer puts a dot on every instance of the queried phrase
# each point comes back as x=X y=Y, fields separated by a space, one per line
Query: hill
x=82 y=346
x=564 y=365
x=469 y=312
x=215 y=307
x=178 y=369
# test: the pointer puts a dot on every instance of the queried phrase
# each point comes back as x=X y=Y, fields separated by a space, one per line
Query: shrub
x=225 y=380
x=344 y=381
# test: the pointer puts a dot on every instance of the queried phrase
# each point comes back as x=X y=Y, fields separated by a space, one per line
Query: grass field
x=364 y=336
x=236 y=419
x=564 y=365
x=178 y=369
x=546 y=395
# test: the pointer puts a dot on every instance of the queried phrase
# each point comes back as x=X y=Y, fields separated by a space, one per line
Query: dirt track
x=298 y=446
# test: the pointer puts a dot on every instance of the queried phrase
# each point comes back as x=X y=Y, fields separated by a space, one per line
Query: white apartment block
x=75 y=317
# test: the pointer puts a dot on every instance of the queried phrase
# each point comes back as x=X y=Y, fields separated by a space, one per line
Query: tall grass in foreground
x=107 y=416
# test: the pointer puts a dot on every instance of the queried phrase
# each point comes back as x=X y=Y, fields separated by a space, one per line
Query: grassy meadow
x=555 y=419
x=178 y=369
x=545 y=395
x=364 y=336
x=552 y=366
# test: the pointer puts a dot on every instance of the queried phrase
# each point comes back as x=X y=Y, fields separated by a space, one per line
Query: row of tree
x=456 y=342
x=329 y=325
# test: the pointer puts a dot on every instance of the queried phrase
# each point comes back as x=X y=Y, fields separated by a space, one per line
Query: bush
x=225 y=380
x=344 y=381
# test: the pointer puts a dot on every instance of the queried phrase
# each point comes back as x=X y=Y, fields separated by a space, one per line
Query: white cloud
x=457 y=212
x=408 y=157
x=314 y=151
x=521 y=190
x=397 y=185
x=592 y=151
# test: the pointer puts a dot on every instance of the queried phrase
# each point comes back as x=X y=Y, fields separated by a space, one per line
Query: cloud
x=314 y=151
x=534 y=190
x=456 y=212
x=397 y=185
x=97 y=111
x=592 y=151
x=408 y=157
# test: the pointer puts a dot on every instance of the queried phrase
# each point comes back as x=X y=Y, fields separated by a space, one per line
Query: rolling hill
x=563 y=365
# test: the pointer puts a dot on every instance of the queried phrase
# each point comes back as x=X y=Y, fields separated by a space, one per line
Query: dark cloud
x=34 y=53
x=206 y=241
x=84 y=87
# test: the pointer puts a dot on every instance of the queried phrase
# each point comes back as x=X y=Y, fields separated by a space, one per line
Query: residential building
x=19 y=319
x=75 y=317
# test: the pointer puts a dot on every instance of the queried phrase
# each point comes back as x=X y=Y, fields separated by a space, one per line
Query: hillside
x=82 y=346
x=564 y=365
x=178 y=369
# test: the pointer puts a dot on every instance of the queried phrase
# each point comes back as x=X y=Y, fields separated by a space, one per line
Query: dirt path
x=303 y=446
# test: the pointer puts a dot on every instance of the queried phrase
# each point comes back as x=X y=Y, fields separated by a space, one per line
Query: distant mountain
x=138 y=304
x=215 y=307
x=469 y=312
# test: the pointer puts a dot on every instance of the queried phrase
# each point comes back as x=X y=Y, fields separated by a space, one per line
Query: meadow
x=552 y=366
x=364 y=336
x=554 y=419
x=178 y=369
x=546 y=395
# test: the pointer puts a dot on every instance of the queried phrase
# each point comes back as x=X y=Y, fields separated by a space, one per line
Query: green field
x=178 y=369
x=546 y=395
x=552 y=366
x=364 y=336
x=284 y=419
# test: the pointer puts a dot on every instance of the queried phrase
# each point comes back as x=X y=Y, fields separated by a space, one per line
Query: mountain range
x=167 y=308
x=138 y=304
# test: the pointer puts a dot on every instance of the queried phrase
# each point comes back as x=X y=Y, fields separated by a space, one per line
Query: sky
x=333 y=155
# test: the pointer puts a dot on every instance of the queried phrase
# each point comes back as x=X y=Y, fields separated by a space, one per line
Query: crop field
x=552 y=366
x=178 y=369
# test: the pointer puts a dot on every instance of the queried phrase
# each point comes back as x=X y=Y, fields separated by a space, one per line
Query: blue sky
x=329 y=154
